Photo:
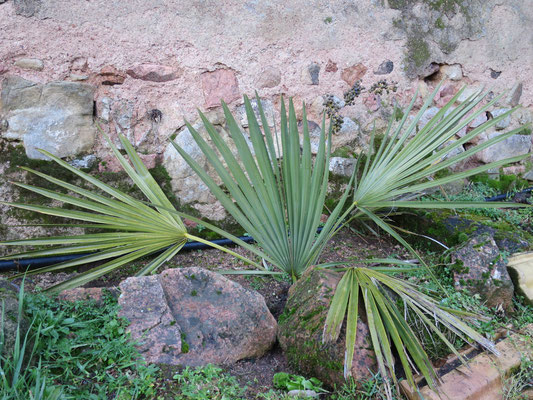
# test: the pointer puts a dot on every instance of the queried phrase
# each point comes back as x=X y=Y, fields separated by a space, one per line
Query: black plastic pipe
x=24 y=263
x=505 y=196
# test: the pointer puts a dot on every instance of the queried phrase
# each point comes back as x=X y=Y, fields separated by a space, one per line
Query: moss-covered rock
x=300 y=330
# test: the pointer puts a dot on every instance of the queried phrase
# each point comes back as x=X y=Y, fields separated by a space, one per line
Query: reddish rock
x=109 y=75
x=3 y=68
x=372 y=102
x=152 y=324
x=445 y=94
x=331 y=66
x=352 y=74
x=482 y=270
x=189 y=224
x=220 y=85
x=301 y=326
x=80 y=294
x=192 y=316
x=153 y=72
x=111 y=164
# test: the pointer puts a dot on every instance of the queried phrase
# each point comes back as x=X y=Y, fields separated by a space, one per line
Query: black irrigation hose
x=24 y=263
x=505 y=196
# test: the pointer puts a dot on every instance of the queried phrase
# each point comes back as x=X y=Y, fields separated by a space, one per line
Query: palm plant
x=280 y=203
x=132 y=228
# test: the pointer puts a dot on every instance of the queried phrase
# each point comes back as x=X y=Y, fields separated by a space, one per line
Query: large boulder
x=9 y=303
x=194 y=317
x=482 y=270
x=56 y=116
x=301 y=326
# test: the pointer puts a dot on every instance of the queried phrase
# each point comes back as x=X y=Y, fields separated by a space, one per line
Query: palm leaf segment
x=132 y=228
x=279 y=204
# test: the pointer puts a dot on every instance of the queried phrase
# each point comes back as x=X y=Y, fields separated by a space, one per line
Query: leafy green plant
x=208 y=383
x=19 y=381
x=132 y=229
x=283 y=380
x=280 y=202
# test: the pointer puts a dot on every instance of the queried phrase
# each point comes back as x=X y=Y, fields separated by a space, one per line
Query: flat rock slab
x=482 y=379
x=520 y=267
x=193 y=317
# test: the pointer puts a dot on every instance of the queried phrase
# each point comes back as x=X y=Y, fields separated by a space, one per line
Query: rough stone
x=85 y=162
x=349 y=132
x=269 y=77
x=153 y=72
x=483 y=271
x=528 y=175
x=453 y=72
x=504 y=123
x=513 y=98
x=301 y=326
x=353 y=73
x=30 y=63
x=193 y=317
x=520 y=267
x=56 y=116
x=342 y=166
x=331 y=66
x=512 y=146
x=9 y=298
x=109 y=75
x=495 y=74
x=268 y=109
x=220 y=84
x=384 y=68
x=468 y=92
x=314 y=72
x=27 y=8
x=95 y=294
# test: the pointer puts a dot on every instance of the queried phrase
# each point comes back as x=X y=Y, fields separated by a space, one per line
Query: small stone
x=314 y=71
x=109 y=75
x=27 y=8
x=349 y=128
x=353 y=73
x=78 y=78
x=331 y=66
x=512 y=146
x=268 y=109
x=270 y=77
x=384 y=68
x=79 y=65
x=81 y=294
x=342 y=166
x=520 y=267
x=429 y=70
x=453 y=72
x=218 y=85
x=372 y=102
x=479 y=120
x=468 y=92
x=105 y=109
x=528 y=175
x=504 y=123
x=495 y=74
x=302 y=394
x=30 y=63
x=513 y=99
x=85 y=162
x=153 y=72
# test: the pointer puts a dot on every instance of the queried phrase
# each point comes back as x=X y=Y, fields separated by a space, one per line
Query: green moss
x=439 y=24
x=417 y=50
x=344 y=152
x=184 y=344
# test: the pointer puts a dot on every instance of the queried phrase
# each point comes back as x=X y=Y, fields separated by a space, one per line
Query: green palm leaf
x=131 y=228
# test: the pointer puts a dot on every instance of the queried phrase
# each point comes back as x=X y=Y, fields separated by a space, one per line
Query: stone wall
x=148 y=65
